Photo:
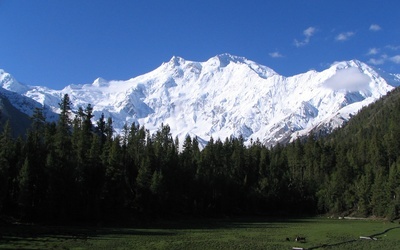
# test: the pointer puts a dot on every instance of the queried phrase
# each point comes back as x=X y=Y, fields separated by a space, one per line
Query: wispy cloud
x=375 y=27
x=344 y=36
x=373 y=51
x=377 y=61
x=392 y=47
x=379 y=58
x=275 y=54
x=395 y=59
x=308 y=33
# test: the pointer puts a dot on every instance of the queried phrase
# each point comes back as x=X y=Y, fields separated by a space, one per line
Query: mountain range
x=224 y=96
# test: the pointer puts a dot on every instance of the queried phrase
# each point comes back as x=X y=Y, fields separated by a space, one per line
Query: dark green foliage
x=74 y=170
x=6 y=146
x=364 y=179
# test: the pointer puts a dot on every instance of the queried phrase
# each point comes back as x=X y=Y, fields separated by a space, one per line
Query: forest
x=80 y=170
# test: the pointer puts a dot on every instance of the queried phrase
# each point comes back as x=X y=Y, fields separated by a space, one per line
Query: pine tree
x=166 y=163
x=63 y=139
x=380 y=199
x=135 y=153
x=143 y=182
x=101 y=129
x=188 y=164
x=32 y=179
x=94 y=177
x=363 y=191
x=60 y=164
x=115 y=186
x=393 y=210
x=27 y=190
x=6 y=147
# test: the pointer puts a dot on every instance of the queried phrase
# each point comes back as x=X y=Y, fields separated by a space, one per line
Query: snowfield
x=225 y=96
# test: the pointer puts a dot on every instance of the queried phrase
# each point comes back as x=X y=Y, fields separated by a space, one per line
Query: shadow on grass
x=371 y=237
x=266 y=222
x=21 y=234
x=10 y=234
x=387 y=230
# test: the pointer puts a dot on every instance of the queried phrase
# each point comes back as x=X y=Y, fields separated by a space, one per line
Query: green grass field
x=253 y=233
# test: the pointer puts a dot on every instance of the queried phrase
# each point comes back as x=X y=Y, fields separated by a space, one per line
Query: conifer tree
x=60 y=164
x=6 y=147
x=27 y=189
x=63 y=140
x=363 y=188
x=135 y=150
x=380 y=198
x=115 y=188
x=393 y=210
x=95 y=174
x=143 y=182
x=32 y=179
x=101 y=129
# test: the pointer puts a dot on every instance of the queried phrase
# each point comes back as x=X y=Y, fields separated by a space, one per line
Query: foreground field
x=254 y=233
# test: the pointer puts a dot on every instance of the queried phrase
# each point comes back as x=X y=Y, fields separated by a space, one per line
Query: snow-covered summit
x=229 y=96
x=8 y=82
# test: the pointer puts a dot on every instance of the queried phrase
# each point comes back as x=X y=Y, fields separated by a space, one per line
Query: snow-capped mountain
x=224 y=96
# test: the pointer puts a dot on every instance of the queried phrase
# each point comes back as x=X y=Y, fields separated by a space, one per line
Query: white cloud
x=375 y=27
x=392 y=47
x=384 y=58
x=376 y=61
x=350 y=79
x=308 y=33
x=344 y=36
x=275 y=54
x=395 y=59
x=373 y=51
x=299 y=43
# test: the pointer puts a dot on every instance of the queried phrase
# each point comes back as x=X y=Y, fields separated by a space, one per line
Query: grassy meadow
x=252 y=233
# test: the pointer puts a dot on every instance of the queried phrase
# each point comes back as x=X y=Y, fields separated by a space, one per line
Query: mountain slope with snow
x=225 y=96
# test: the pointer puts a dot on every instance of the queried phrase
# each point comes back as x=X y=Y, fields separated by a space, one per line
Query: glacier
x=224 y=96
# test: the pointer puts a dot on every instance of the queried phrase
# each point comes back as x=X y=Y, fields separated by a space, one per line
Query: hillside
x=18 y=121
x=365 y=174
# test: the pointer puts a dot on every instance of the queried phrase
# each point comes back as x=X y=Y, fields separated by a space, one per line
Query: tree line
x=80 y=170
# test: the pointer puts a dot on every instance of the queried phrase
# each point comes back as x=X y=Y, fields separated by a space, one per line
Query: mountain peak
x=176 y=61
x=223 y=60
x=227 y=96
x=347 y=64
x=100 y=82
x=226 y=58
x=8 y=82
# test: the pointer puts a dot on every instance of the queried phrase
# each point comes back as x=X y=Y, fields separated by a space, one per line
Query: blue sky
x=56 y=43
